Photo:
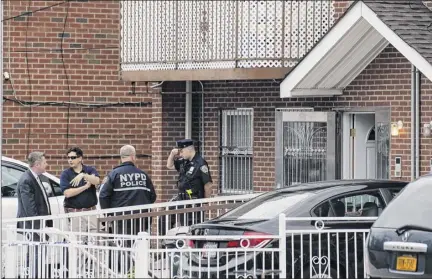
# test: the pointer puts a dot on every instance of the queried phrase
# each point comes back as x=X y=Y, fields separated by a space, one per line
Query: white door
x=364 y=134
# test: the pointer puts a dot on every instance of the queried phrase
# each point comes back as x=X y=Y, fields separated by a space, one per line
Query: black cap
x=184 y=143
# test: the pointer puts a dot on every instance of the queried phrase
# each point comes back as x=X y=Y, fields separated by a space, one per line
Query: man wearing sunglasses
x=78 y=183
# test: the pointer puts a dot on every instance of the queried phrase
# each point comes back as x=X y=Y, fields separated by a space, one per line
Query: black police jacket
x=193 y=175
x=126 y=185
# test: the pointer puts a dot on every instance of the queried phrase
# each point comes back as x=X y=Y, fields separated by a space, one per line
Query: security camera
x=6 y=75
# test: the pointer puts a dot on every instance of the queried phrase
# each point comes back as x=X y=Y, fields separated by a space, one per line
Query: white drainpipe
x=413 y=119
x=417 y=91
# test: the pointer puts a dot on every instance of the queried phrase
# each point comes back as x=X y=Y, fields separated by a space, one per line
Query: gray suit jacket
x=31 y=201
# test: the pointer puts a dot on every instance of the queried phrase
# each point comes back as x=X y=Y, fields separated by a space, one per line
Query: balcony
x=191 y=40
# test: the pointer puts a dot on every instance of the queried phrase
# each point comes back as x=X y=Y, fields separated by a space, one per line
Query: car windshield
x=411 y=207
x=267 y=206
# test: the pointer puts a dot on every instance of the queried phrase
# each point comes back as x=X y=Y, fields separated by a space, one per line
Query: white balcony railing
x=169 y=35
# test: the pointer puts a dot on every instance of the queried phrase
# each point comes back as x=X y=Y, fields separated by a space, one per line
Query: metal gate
x=306 y=145
x=382 y=124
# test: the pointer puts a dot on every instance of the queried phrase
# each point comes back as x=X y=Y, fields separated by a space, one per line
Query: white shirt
x=43 y=190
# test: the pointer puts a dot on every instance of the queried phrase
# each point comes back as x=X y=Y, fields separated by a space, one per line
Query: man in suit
x=33 y=201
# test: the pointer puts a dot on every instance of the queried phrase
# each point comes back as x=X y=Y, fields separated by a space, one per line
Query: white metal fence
x=298 y=248
x=157 y=218
x=50 y=253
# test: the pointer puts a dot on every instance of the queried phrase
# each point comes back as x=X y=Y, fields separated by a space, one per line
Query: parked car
x=399 y=244
x=11 y=172
x=259 y=216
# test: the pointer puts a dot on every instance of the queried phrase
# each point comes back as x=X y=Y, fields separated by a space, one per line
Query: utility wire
x=49 y=50
x=77 y=104
x=28 y=13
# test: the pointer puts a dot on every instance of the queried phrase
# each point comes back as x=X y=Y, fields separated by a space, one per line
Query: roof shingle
x=410 y=20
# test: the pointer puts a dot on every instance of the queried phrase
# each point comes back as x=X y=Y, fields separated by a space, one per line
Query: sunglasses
x=72 y=157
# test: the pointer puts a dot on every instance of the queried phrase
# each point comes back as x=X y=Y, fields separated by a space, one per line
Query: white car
x=11 y=172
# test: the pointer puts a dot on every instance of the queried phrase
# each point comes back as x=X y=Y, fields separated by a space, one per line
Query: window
x=394 y=192
x=412 y=206
x=368 y=204
x=268 y=205
x=236 y=151
x=52 y=188
x=10 y=178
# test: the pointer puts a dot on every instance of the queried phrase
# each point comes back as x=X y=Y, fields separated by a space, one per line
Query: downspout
x=413 y=119
x=417 y=91
x=202 y=118
x=188 y=110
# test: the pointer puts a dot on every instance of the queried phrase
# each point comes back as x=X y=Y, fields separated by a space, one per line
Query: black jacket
x=126 y=185
x=31 y=201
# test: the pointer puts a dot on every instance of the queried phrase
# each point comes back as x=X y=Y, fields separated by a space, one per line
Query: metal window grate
x=237 y=151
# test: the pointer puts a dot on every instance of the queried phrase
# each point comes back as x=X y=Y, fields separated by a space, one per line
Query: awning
x=348 y=48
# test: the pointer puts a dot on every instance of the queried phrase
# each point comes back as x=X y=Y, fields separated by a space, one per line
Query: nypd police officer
x=127 y=185
x=194 y=180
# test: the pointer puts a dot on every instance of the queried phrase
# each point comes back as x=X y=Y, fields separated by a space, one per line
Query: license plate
x=406 y=263
x=209 y=245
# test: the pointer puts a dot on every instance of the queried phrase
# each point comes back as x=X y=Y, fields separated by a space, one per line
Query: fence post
x=282 y=246
x=11 y=264
x=73 y=257
x=142 y=258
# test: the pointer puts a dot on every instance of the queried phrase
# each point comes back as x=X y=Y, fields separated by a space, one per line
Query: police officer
x=127 y=185
x=194 y=180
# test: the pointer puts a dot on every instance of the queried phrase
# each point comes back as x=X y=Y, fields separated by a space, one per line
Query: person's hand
x=174 y=152
x=87 y=185
x=76 y=181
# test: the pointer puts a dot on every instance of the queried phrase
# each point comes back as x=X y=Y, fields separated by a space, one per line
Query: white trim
x=411 y=54
x=324 y=48
x=315 y=92
x=130 y=189
x=318 y=52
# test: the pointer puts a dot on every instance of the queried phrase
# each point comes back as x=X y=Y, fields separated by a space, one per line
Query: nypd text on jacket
x=126 y=185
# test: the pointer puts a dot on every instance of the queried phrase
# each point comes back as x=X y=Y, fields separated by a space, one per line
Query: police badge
x=204 y=169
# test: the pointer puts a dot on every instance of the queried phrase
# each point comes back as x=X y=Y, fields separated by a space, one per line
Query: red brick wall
x=340 y=7
x=93 y=77
x=385 y=82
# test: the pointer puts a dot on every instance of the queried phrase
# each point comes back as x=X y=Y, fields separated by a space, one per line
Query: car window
x=267 y=206
x=10 y=178
x=363 y=204
x=52 y=188
x=412 y=206
x=394 y=191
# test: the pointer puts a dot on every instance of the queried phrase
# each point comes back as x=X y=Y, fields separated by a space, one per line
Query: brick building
x=230 y=95
x=60 y=52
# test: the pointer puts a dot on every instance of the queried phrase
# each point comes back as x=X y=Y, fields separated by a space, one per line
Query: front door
x=306 y=147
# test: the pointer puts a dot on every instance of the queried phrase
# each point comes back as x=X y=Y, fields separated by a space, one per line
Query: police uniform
x=193 y=175
x=127 y=185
